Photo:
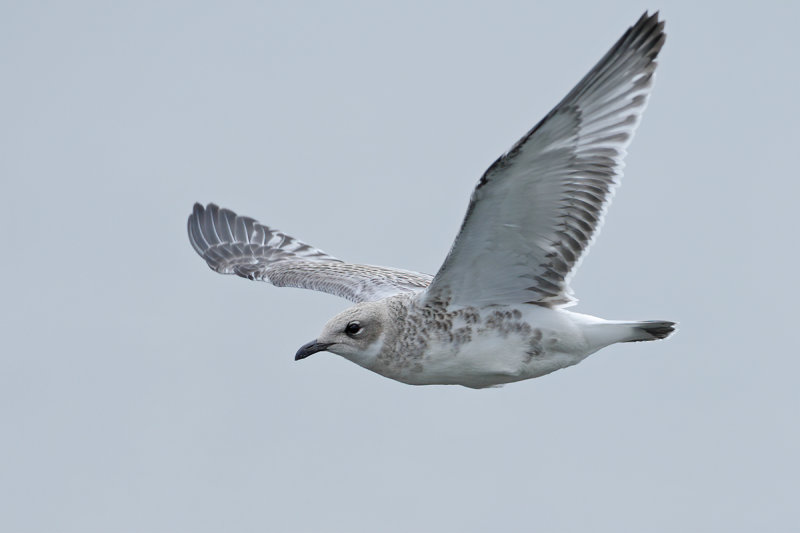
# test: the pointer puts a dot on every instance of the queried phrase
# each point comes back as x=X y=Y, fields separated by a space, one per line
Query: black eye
x=353 y=328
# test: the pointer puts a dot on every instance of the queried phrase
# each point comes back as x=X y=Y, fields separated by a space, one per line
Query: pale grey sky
x=141 y=392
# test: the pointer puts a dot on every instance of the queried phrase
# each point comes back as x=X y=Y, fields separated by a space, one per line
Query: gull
x=495 y=312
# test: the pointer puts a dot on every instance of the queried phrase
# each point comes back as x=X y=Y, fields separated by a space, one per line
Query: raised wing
x=537 y=208
x=232 y=244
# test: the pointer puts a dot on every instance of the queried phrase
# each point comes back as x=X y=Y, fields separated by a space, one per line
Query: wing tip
x=648 y=33
x=204 y=227
x=196 y=238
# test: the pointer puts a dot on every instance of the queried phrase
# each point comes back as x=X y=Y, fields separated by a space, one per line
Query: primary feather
x=537 y=208
x=232 y=244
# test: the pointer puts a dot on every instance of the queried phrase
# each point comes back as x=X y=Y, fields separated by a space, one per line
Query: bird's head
x=357 y=334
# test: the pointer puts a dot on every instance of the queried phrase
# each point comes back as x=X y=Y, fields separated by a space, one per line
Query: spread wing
x=233 y=244
x=538 y=207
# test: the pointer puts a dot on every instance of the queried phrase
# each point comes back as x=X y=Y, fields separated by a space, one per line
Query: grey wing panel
x=233 y=244
x=538 y=207
x=227 y=241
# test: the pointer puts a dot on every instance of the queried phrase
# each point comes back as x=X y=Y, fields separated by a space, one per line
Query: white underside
x=492 y=358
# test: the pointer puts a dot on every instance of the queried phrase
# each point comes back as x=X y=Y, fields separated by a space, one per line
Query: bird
x=496 y=310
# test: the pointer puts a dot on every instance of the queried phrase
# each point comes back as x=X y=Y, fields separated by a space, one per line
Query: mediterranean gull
x=495 y=311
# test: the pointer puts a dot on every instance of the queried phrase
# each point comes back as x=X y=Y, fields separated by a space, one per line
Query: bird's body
x=478 y=346
x=440 y=344
x=494 y=313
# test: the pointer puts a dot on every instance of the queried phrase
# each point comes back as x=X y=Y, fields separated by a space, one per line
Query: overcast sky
x=141 y=392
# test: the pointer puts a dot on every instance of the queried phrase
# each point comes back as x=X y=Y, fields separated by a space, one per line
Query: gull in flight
x=495 y=312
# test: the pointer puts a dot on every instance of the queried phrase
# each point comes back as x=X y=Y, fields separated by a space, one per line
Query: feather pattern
x=538 y=207
x=233 y=244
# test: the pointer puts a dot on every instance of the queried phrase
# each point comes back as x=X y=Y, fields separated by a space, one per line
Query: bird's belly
x=485 y=347
x=495 y=356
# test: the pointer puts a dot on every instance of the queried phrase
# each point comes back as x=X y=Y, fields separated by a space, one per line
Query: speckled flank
x=416 y=327
x=534 y=346
x=410 y=338
x=505 y=322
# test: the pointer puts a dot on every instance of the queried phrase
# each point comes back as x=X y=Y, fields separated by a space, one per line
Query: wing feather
x=232 y=244
x=537 y=208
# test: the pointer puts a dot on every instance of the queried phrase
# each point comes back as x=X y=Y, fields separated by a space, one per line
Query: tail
x=601 y=333
x=648 y=330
